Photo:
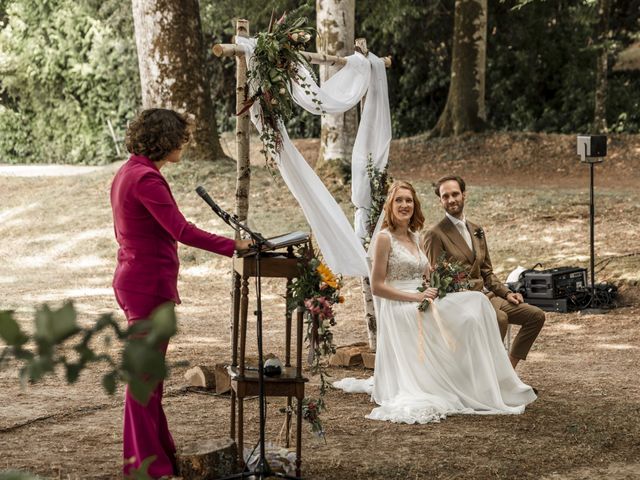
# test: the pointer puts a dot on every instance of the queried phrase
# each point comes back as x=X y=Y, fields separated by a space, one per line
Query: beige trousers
x=530 y=318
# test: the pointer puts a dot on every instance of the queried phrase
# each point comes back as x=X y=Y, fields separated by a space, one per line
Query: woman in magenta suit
x=148 y=226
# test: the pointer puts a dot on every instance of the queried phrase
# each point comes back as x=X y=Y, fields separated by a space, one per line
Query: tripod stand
x=260 y=244
x=592 y=149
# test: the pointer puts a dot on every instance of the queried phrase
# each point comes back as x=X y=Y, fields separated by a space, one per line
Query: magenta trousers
x=145 y=432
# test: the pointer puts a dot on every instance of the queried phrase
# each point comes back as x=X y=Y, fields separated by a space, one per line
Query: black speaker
x=592 y=146
x=598 y=145
x=554 y=283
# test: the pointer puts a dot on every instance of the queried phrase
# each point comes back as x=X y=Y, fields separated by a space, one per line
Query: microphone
x=205 y=196
x=214 y=206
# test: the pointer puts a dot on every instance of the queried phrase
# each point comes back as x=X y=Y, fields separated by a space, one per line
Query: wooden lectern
x=244 y=380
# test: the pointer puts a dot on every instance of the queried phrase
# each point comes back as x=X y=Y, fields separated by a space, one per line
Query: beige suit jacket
x=445 y=237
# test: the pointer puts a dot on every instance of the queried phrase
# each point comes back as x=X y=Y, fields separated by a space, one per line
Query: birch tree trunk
x=243 y=168
x=172 y=67
x=369 y=313
x=465 y=108
x=335 y=21
x=600 y=108
x=243 y=165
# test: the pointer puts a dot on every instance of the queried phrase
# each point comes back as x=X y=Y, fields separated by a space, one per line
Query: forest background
x=70 y=73
x=69 y=69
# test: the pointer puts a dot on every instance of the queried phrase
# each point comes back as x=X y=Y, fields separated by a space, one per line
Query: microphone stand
x=263 y=470
x=232 y=220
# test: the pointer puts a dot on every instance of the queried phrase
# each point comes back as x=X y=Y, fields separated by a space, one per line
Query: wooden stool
x=244 y=382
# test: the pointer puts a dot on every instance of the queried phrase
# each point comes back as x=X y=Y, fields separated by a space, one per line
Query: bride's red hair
x=390 y=221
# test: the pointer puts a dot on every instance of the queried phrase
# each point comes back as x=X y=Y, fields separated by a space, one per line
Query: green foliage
x=142 y=365
x=66 y=69
x=140 y=473
x=447 y=276
x=379 y=183
x=318 y=290
x=541 y=60
x=274 y=69
x=16 y=475
x=541 y=64
x=418 y=37
x=218 y=25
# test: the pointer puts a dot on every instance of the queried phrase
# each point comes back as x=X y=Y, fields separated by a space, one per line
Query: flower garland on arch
x=274 y=66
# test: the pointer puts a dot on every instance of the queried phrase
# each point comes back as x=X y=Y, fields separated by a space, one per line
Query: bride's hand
x=430 y=293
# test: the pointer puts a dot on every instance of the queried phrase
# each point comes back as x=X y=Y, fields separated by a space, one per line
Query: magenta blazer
x=148 y=225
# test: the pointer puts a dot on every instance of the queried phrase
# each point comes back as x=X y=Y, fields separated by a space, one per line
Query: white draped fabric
x=340 y=245
x=373 y=138
x=338 y=94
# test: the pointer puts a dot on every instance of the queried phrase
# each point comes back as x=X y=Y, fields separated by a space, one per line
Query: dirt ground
x=530 y=193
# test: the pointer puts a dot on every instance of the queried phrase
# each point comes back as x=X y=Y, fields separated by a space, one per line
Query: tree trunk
x=243 y=163
x=335 y=21
x=600 y=109
x=465 y=109
x=172 y=67
x=243 y=170
x=209 y=376
x=369 y=313
x=213 y=458
x=201 y=376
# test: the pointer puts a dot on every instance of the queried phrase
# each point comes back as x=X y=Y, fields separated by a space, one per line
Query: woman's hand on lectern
x=243 y=245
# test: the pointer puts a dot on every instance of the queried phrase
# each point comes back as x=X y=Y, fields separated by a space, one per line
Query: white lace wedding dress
x=433 y=364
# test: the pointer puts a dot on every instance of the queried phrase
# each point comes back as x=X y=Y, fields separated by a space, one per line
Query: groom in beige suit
x=465 y=242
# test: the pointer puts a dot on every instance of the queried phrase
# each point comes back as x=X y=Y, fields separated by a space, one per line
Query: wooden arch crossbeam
x=233 y=50
x=242 y=121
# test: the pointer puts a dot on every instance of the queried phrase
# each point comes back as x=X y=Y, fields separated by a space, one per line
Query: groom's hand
x=515 y=298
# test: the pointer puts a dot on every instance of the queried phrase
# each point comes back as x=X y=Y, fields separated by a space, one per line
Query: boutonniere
x=478 y=233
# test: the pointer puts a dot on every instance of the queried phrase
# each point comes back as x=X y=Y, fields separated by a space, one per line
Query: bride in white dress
x=447 y=360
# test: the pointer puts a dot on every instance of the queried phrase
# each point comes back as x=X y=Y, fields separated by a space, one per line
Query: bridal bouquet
x=447 y=276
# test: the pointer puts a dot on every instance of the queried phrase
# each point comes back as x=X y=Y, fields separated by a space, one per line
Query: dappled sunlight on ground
x=610 y=346
x=537 y=357
x=8 y=215
x=86 y=261
x=198 y=271
x=188 y=340
x=47 y=170
x=584 y=425
x=59 y=295
x=51 y=254
x=88 y=292
x=567 y=326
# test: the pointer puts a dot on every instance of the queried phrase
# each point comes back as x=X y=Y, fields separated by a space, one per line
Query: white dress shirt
x=461 y=225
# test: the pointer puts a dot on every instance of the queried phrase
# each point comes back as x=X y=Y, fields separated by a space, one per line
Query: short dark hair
x=156 y=132
x=448 y=178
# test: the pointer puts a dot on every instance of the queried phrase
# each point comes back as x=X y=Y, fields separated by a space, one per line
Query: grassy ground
x=57 y=243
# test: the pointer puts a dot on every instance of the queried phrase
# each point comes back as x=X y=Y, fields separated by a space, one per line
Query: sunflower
x=327 y=276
